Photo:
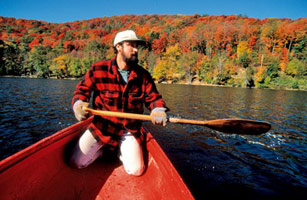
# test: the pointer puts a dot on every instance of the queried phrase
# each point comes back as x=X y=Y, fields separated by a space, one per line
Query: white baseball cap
x=127 y=35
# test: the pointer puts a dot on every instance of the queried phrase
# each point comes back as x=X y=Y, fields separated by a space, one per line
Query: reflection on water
x=267 y=166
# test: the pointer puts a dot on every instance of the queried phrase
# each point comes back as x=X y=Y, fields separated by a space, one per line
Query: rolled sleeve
x=153 y=99
x=85 y=87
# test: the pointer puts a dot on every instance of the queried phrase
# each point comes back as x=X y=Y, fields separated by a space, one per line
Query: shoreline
x=35 y=77
x=166 y=83
x=228 y=86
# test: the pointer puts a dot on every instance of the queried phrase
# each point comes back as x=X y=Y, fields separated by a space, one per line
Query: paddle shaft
x=240 y=126
x=141 y=117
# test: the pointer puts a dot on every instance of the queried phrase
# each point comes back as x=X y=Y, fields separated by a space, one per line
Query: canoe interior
x=41 y=172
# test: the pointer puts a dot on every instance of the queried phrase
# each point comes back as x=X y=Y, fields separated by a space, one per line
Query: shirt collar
x=114 y=67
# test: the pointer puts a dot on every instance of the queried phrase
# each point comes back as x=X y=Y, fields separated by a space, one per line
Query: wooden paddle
x=238 y=126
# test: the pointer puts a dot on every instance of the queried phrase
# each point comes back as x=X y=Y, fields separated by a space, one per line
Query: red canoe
x=41 y=172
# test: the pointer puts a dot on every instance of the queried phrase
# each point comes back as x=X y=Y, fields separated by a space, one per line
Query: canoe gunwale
x=28 y=151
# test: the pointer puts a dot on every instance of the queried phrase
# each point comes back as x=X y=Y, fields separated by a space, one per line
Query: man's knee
x=86 y=151
x=136 y=170
x=74 y=164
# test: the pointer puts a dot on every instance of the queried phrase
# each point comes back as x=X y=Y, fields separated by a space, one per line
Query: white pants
x=88 y=150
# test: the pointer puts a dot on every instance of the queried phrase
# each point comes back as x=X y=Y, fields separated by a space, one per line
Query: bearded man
x=120 y=85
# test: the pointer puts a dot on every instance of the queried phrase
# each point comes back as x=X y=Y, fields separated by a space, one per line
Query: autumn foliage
x=225 y=50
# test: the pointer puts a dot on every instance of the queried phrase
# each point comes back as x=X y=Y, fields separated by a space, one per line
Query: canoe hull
x=41 y=172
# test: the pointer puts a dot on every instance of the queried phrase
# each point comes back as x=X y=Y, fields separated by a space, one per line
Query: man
x=121 y=85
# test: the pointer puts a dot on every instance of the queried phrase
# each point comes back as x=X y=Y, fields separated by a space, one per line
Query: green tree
x=296 y=68
x=96 y=50
x=2 y=63
x=151 y=60
x=300 y=51
x=244 y=60
x=74 y=68
x=39 y=62
x=188 y=65
x=12 y=60
x=24 y=52
x=272 y=71
x=207 y=70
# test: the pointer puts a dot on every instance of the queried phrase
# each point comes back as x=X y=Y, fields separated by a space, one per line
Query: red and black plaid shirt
x=112 y=94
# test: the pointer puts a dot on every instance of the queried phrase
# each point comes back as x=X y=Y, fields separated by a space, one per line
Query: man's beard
x=133 y=60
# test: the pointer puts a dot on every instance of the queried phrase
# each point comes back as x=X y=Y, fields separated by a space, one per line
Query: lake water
x=268 y=166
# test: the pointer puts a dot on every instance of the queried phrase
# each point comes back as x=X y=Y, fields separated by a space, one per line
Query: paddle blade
x=239 y=126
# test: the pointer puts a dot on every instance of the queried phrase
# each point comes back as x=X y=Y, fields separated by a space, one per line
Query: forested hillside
x=224 y=50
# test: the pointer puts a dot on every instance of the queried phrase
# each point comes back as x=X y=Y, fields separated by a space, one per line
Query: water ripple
x=267 y=166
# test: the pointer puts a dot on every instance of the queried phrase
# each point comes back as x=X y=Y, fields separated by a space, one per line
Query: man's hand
x=80 y=113
x=158 y=116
